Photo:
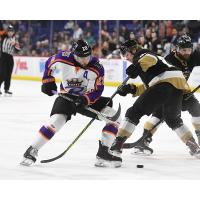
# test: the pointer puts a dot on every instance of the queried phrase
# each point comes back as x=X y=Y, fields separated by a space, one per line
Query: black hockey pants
x=162 y=95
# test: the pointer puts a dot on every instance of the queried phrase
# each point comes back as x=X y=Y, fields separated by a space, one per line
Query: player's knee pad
x=56 y=122
x=174 y=123
x=151 y=123
x=126 y=128
x=108 y=111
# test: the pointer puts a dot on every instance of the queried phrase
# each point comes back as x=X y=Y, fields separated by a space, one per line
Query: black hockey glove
x=126 y=89
x=81 y=102
x=49 y=88
x=188 y=96
x=132 y=71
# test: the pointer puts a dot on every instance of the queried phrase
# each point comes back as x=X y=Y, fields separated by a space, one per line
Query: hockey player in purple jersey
x=82 y=81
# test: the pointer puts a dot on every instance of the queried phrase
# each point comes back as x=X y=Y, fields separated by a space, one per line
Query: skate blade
x=140 y=152
x=7 y=95
x=26 y=162
x=107 y=164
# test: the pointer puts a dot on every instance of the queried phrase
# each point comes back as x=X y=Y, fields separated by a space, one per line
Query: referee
x=9 y=45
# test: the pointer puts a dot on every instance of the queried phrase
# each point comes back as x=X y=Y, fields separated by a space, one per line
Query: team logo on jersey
x=74 y=82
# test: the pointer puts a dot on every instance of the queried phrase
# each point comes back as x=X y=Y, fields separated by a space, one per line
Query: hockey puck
x=140 y=166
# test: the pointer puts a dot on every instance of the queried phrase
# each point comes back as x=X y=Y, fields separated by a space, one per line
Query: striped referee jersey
x=9 y=44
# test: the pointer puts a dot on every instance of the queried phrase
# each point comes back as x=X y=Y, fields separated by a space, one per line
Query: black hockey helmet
x=128 y=45
x=184 y=41
x=10 y=28
x=81 y=48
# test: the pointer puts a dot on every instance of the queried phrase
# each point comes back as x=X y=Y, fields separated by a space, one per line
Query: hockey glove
x=81 y=102
x=127 y=89
x=49 y=88
x=188 y=96
x=132 y=71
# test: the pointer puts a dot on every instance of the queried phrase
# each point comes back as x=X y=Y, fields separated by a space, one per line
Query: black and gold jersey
x=185 y=66
x=153 y=69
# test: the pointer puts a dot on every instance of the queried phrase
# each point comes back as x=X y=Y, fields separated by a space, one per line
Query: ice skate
x=105 y=159
x=29 y=156
x=8 y=93
x=116 y=148
x=0 y=93
x=194 y=148
x=142 y=150
x=142 y=145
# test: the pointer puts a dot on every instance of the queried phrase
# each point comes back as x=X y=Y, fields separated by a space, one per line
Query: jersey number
x=85 y=74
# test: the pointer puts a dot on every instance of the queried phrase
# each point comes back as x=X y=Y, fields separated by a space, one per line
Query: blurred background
x=47 y=37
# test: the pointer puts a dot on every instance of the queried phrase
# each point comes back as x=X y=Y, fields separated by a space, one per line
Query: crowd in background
x=44 y=38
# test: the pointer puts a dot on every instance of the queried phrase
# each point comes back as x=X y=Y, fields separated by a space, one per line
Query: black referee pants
x=6 y=68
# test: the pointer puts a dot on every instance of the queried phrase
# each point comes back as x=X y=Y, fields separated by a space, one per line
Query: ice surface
x=22 y=115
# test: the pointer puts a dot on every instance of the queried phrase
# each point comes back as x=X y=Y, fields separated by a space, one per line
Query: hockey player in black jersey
x=185 y=59
x=161 y=82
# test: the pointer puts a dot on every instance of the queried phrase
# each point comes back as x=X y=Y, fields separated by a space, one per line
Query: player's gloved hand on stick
x=81 y=102
x=126 y=89
x=132 y=71
x=49 y=88
x=187 y=96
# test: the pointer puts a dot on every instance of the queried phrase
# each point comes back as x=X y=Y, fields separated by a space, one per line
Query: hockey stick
x=134 y=144
x=103 y=116
x=191 y=93
x=84 y=129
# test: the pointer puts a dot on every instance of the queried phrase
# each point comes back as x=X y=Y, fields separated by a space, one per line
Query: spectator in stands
x=69 y=26
x=31 y=34
x=156 y=44
x=148 y=38
x=105 y=49
x=174 y=39
x=142 y=42
x=137 y=27
x=113 y=41
x=105 y=34
x=96 y=51
x=89 y=38
x=194 y=29
x=124 y=32
x=78 y=32
x=88 y=27
x=132 y=36
x=169 y=29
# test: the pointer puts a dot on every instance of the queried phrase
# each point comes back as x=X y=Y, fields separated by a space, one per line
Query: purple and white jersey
x=76 y=80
